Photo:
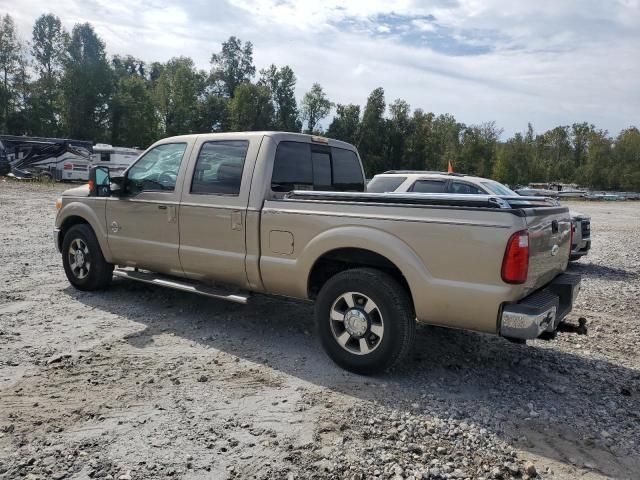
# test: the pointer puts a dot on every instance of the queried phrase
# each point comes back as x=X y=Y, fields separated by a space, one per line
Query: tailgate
x=549 y=243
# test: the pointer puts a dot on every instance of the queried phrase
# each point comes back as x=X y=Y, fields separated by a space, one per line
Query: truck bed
x=449 y=247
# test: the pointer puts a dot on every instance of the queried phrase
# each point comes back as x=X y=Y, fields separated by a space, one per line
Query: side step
x=179 y=284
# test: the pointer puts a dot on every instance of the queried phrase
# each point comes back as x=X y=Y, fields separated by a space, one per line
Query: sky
x=512 y=61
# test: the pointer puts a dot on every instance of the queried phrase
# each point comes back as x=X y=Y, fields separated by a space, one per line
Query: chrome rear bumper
x=541 y=311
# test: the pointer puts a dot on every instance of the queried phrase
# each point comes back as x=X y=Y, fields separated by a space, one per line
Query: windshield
x=498 y=189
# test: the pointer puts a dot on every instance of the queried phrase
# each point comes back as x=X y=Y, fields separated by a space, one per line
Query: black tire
x=394 y=312
x=98 y=273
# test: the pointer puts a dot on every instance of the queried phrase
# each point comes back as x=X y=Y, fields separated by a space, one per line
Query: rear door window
x=303 y=166
x=385 y=184
x=219 y=167
x=429 y=186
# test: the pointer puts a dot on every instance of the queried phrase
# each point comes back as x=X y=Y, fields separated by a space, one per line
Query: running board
x=185 y=286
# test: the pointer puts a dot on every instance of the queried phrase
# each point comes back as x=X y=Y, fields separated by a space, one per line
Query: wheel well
x=336 y=261
x=66 y=225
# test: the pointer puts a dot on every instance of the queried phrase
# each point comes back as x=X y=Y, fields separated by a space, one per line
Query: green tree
x=445 y=144
x=478 y=149
x=398 y=127
x=419 y=141
x=251 y=108
x=315 y=107
x=624 y=172
x=86 y=85
x=133 y=117
x=372 y=135
x=213 y=114
x=512 y=161
x=232 y=66
x=346 y=123
x=48 y=45
x=10 y=57
x=282 y=84
x=579 y=137
x=595 y=170
x=557 y=155
x=177 y=91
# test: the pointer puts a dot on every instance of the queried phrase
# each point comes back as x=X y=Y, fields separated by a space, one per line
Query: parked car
x=231 y=214
x=457 y=183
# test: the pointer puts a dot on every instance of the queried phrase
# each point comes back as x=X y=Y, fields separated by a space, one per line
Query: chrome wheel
x=79 y=258
x=356 y=323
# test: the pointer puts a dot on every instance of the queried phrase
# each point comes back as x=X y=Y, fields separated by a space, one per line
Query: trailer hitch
x=580 y=329
x=565 y=327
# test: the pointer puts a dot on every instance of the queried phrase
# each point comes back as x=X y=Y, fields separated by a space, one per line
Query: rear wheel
x=83 y=261
x=365 y=320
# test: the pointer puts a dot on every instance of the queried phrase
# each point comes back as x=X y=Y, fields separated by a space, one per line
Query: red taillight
x=573 y=231
x=67 y=166
x=515 y=265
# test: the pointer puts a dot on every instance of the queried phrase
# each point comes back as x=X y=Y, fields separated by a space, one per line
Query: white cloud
x=547 y=62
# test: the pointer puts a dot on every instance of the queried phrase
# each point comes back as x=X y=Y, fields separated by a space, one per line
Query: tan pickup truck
x=234 y=214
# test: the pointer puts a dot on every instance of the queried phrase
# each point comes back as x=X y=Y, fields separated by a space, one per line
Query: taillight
x=67 y=166
x=573 y=231
x=515 y=264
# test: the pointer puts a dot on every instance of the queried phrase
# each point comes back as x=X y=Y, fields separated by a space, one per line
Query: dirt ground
x=139 y=382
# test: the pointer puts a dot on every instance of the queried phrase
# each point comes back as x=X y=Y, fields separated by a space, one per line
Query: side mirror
x=117 y=185
x=99 y=182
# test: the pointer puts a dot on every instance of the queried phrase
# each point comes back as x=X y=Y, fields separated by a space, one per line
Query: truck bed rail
x=427 y=199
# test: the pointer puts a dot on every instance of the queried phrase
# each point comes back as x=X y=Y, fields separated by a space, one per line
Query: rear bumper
x=581 y=249
x=541 y=311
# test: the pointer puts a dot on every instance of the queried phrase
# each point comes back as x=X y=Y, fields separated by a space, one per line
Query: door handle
x=236 y=220
x=162 y=207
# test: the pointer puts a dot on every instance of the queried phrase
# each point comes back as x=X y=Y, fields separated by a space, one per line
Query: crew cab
x=458 y=183
x=228 y=215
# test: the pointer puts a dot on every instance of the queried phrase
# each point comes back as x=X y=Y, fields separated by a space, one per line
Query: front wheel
x=365 y=320
x=83 y=261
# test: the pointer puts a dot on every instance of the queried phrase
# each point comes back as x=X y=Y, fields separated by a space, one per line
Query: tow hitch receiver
x=580 y=329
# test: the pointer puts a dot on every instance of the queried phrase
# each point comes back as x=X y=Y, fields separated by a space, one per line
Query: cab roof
x=277 y=136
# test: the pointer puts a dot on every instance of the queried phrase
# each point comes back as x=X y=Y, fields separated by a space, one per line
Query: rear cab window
x=385 y=184
x=304 y=166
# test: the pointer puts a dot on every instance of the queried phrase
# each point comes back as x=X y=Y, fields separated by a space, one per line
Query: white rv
x=116 y=158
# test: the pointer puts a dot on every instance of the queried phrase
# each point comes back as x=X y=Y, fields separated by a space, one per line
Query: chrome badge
x=554 y=250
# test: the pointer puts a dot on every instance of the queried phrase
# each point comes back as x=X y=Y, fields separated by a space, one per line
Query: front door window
x=156 y=170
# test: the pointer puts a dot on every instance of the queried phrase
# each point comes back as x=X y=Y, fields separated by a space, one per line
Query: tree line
x=63 y=84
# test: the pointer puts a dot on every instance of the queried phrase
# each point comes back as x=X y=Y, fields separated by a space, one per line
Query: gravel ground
x=139 y=382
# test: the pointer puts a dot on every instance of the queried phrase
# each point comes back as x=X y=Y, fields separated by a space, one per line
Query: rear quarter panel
x=450 y=257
